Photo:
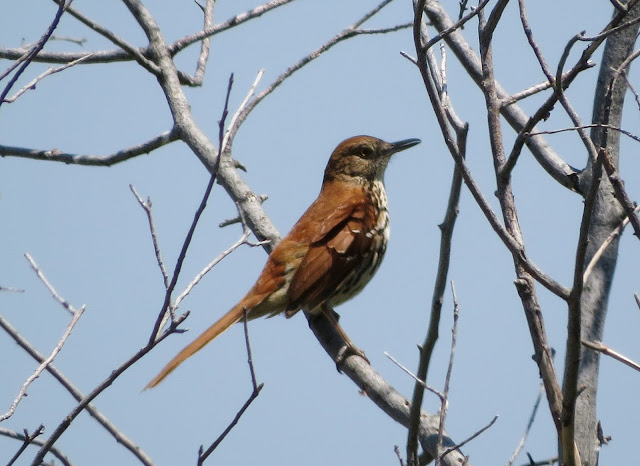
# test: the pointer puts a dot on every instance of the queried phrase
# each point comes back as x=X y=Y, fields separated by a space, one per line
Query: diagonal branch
x=76 y=394
x=54 y=155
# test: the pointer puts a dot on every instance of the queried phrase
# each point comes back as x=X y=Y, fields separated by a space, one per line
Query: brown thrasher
x=331 y=253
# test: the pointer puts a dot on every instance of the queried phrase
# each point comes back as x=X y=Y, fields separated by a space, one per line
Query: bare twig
x=146 y=206
x=129 y=49
x=455 y=26
x=205 y=45
x=77 y=395
x=604 y=349
x=570 y=391
x=32 y=440
x=10 y=289
x=447 y=379
x=504 y=193
x=621 y=193
x=474 y=435
x=204 y=454
x=54 y=155
x=63 y=302
x=36 y=80
x=598 y=254
x=347 y=33
x=243 y=240
x=28 y=439
x=532 y=418
x=113 y=375
x=63 y=5
x=23 y=391
x=436 y=392
x=167 y=306
x=443 y=108
x=513 y=98
x=592 y=125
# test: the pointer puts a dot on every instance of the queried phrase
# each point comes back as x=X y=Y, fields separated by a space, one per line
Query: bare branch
x=130 y=50
x=256 y=12
x=205 y=45
x=28 y=58
x=54 y=155
x=63 y=302
x=347 y=33
x=167 y=306
x=23 y=391
x=76 y=394
x=476 y=434
x=28 y=439
x=621 y=193
x=243 y=240
x=604 y=349
x=592 y=125
x=455 y=136
x=447 y=379
x=146 y=206
x=513 y=98
x=532 y=418
x=32 y=84
x=598 y=254
x=32 y=440
x=62 y=427
x=204 y=454
x=10 y=289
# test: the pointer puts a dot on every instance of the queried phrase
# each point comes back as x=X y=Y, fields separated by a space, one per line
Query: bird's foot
x=346 y=351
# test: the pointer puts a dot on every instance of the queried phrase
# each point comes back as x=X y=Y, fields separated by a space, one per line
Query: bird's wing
x=341 y=240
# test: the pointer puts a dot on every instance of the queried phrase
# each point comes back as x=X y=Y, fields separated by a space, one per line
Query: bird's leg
x=349 y=347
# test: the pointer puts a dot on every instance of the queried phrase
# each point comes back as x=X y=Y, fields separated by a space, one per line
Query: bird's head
x=363 y=157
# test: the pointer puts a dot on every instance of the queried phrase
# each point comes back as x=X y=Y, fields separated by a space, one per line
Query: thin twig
x=592 y=125
x=604 y=349
x=621 y=193
x=513 y=98
x=447 y=380
x=54 y=451
x=167 y=306
x=113 y=375
x=347 y=33
x=63 y=5
x=63 y=302
x=243 y=240
x=476 y=434
x=36 y=80
x=532 y=418
x=11 y=289
x=603 y=247
x=23 y=391
x=77 y=395
x=128 y=48
x=204 y=454
x=146 y=206
x=28 y=440
x=439 y=394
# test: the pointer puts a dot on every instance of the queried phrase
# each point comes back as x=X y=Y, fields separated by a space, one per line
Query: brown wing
x=332 y=257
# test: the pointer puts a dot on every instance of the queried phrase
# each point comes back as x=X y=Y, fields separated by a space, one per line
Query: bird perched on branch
x=331 y=253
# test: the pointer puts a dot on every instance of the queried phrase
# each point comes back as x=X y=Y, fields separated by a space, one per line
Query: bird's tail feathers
x=222 y=324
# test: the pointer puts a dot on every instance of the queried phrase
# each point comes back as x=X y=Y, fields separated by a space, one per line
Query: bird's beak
x=402 y=145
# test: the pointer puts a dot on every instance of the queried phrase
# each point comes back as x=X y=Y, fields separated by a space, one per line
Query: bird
x=331 y=252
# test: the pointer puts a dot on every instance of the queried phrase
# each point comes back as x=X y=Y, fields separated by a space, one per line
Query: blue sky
x=89 y=236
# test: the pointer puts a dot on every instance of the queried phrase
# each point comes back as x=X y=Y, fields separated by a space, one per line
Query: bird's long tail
x=226 y=321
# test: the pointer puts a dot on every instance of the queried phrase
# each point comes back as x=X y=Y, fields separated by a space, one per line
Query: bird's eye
x=366 y=152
